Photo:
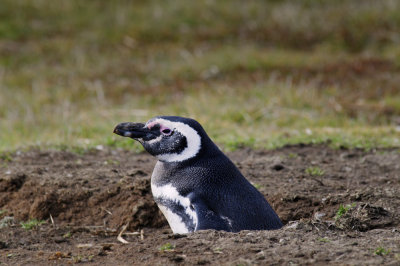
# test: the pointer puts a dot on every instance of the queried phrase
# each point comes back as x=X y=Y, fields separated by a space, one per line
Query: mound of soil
x=88 y=199
x=99 y=188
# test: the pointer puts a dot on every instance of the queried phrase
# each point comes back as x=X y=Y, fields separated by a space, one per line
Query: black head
x=169 y=138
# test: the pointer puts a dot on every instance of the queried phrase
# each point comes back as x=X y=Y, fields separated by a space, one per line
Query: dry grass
x=262 y=74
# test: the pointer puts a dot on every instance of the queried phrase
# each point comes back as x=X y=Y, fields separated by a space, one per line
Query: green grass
x=82 y=258
x=261 y=75
x=32 y=224
x=167 y=247
x=381 y=251
x=257 y=186
x=323 y=239
x=314 y=171
x=67 y=235
x=6 y=157
x=343 y=209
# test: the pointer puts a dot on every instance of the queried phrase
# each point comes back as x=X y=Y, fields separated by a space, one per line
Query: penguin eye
x=166 y=131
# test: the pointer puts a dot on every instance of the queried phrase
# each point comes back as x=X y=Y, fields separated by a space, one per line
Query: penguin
x=195 y=185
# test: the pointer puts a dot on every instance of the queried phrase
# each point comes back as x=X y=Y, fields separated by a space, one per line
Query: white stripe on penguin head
x=192 y=138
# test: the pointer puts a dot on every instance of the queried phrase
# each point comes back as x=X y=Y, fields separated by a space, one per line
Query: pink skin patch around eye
x=162 y=128
x=149 y=126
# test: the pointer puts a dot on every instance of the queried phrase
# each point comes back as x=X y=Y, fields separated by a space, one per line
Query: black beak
x=132 y=130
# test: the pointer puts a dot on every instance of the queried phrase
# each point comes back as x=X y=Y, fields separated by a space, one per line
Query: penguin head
x=168 y=138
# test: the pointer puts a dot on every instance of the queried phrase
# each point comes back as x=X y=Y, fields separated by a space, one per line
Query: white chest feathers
x=176 y=208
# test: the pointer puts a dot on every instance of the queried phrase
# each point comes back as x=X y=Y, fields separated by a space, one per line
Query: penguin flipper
x=207 y=218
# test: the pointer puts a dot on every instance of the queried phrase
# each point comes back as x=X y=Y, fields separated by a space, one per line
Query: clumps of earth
x=363 y=217
x=339 y=206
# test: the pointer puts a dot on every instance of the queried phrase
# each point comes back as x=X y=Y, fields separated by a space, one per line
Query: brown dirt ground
x=91 y=196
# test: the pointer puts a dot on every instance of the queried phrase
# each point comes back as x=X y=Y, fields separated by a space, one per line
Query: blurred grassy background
x=260 y=74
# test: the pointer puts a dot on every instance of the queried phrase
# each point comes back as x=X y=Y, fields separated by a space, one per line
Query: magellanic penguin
x=194 y=184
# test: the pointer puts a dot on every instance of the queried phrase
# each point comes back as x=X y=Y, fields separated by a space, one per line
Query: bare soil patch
x=87 y=199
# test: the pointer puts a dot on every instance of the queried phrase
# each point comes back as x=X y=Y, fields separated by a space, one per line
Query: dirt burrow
x=90 y=197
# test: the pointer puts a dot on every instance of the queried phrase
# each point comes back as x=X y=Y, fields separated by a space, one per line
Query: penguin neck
x=165 y=172
x=206 y=152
